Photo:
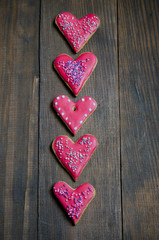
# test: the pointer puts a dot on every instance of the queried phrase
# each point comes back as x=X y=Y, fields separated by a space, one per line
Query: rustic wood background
x=125 y=167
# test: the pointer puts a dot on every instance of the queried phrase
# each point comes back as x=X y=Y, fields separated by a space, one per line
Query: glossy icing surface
x=77 y=31
x=74 y=114
x=75 y=72
x=74 y=201
x=74 y=156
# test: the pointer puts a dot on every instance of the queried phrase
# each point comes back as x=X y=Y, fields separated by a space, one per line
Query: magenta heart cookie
x=74 y=114
x=75 y=72
x=77 y=31
x=74 y=201
x=74 y=156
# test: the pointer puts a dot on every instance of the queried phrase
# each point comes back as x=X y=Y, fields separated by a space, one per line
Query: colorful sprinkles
x=74 y=70
x=74 y=201
x=77 y=31
x=74 y=156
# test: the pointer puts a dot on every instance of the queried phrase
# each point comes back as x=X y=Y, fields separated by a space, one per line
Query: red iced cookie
x=77 y=31
x=74 y=201
x=75 y=72
x=74 y=156
x=74 y=114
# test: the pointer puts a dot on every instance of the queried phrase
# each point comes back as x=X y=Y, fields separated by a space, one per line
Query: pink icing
x=75 y=72
x=74 y=201
x=74 y=114
x=77 y=31
x=74 y=156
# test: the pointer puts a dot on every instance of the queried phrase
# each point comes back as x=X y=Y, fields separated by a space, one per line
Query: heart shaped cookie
x=74 y=156
x=75 y=72
x=77 y=31
x=74 y=114
x=74 y=201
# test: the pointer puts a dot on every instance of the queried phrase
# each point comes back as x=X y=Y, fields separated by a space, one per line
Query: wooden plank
x=102 y=219
x=139 y=111
x=19 y=83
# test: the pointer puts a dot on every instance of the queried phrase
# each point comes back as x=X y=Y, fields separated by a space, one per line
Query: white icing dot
x=94 y=104
x=81 y=121
x=58 y=98
x=68 y=100
x=62 y=114
x=66 y=118
x=85 y=115
x=59 y=109
x=55 y=103
x=90 y=109
x=69 y=123
x=75 y=128
x=90 y=98
x=63 y=96
x=82 y=99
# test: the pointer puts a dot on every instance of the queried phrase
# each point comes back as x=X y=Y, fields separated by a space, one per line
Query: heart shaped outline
x=84 y=82
x=75 y=177
x=74 y=132
x=67 y=185
x=76 y=51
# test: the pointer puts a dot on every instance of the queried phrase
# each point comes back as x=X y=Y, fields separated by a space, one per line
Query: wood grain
x=102 y=219
x=18 y=119
x=139 y=113
x=126 y=122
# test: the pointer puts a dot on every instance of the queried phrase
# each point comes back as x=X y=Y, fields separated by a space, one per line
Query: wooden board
x=19 y=84
x=124 y=168
x=139 y=113
x=102 y=219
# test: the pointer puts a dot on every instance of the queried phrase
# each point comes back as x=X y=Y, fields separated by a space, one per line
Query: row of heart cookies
x=75 y=156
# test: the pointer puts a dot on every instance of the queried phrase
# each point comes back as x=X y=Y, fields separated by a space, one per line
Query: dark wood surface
x=19 y=94
x=139 y=115
x=125 y=83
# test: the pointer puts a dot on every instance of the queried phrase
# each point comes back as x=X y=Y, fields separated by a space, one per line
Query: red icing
x=77 y=31
x=75 y=72
x=74 y=156
x=74 y=119
x=74 y=201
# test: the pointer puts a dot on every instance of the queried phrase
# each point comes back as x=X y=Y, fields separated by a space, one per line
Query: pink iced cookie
x=74 y=156
x=77 y=31
x=74 y=114
x=74 y=201
x=75 y=72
